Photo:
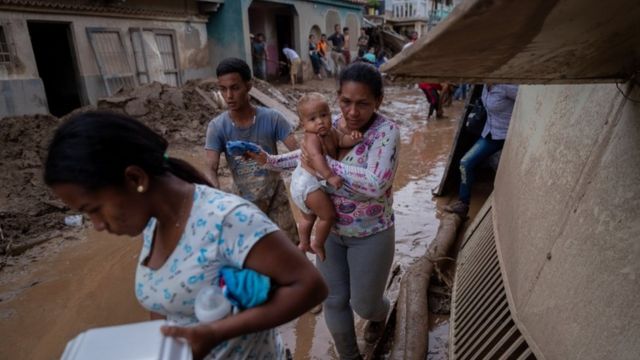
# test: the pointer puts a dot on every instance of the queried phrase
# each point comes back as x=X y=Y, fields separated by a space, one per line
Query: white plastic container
x=139 y=341
x=73 y=220
x=211 y=305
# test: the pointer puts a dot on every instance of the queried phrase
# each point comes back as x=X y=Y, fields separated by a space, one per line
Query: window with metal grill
x=113 y=61
x=155 y=51
x=5 y=54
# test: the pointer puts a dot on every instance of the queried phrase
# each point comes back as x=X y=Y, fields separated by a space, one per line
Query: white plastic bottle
x=211 y=305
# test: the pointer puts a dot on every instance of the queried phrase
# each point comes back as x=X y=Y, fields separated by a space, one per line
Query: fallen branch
x=410 y=340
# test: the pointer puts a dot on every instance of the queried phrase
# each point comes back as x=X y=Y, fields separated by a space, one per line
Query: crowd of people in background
x=328 y=55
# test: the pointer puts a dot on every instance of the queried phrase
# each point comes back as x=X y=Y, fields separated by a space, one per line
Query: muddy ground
x=79 y=279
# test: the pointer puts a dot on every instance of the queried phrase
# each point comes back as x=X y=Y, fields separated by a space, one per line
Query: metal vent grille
x=482 y=326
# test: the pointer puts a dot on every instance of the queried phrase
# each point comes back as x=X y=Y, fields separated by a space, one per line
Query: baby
x=320 y=139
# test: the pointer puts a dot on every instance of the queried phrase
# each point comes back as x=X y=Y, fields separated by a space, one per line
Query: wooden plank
x=269 y=102
x=207 y=99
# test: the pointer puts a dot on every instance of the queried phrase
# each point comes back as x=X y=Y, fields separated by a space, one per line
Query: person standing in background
x=323 y=52
x=314 y=56
x=363 y=43
x=337 y=56
x=259 y=56
x=413 y=37
x=498 y=100
x=346 y=51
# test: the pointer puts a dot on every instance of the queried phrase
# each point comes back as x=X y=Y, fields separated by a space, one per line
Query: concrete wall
x=22 y=91
x=228 y=32
x=567 y=217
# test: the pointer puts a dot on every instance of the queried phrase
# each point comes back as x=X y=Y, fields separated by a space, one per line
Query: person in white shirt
x=412 y=39
x=294 y=60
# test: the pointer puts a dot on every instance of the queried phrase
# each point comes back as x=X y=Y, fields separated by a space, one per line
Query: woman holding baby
x=359 y=250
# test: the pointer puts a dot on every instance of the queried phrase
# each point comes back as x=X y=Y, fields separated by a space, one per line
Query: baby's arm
x=347 y=141
x=313 y=145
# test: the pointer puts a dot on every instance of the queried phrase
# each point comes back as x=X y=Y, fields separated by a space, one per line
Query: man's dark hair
x=234 y=65
x=345 y=29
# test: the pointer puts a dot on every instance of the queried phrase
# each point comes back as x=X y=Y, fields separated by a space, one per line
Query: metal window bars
x=112 y=58
x=5 y=53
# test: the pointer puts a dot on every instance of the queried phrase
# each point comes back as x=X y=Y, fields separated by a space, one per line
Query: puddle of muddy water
x=438 y=337
x=88 y=283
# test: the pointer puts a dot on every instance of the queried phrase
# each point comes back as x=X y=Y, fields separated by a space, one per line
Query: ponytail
x=94 y=148
x=186 y=172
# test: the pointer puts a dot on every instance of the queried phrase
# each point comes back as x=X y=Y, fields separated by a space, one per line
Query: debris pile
x=29 y=213
x=180 y=114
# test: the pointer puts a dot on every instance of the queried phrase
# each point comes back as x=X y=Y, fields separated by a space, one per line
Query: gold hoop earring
x=140 y=189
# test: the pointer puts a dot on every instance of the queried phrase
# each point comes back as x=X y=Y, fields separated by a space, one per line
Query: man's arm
x=213 y=161
x=291 y=143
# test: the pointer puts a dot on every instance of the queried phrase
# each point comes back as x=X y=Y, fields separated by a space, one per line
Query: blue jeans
x=481 y=150
x=260 y=69
x=461 y=92
x=356 y=271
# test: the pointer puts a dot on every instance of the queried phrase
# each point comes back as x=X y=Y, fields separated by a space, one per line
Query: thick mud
x=56 y=290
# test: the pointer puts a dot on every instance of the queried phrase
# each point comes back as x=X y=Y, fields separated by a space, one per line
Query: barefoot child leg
x=322 y=206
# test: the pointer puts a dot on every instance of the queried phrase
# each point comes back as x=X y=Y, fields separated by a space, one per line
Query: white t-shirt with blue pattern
x=220 y=231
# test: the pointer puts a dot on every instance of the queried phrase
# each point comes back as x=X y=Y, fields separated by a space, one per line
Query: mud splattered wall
x=22 y=89
x=568 y=221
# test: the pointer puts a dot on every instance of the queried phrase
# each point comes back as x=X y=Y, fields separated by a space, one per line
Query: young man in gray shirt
x=256 y=124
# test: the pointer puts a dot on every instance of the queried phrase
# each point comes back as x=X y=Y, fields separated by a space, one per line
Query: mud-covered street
x=82 y=279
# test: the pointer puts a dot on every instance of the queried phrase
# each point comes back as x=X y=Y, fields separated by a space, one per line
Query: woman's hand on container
x=201 y=338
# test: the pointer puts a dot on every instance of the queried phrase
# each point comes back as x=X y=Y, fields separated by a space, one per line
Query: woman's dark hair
x=94 y=148
x=234 y=65
x=363 y=73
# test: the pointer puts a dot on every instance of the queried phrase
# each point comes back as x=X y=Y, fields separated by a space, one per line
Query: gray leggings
x=356 y=270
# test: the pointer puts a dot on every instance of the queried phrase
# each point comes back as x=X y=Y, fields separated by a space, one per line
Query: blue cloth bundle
x=244 y=288
x=239 y=147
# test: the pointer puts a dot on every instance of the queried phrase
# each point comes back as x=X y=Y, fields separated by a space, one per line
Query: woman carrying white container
x=116 y=170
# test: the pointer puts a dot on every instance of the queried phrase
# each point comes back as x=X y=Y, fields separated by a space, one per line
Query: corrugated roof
x=546 y=41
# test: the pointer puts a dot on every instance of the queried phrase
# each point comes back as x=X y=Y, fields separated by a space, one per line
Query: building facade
x=59 y=55
x=56 y=56
x=406 y=16
x=282 y=22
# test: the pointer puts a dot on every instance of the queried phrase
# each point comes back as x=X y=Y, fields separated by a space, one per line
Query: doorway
x=56 y=61
x=277 y=22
